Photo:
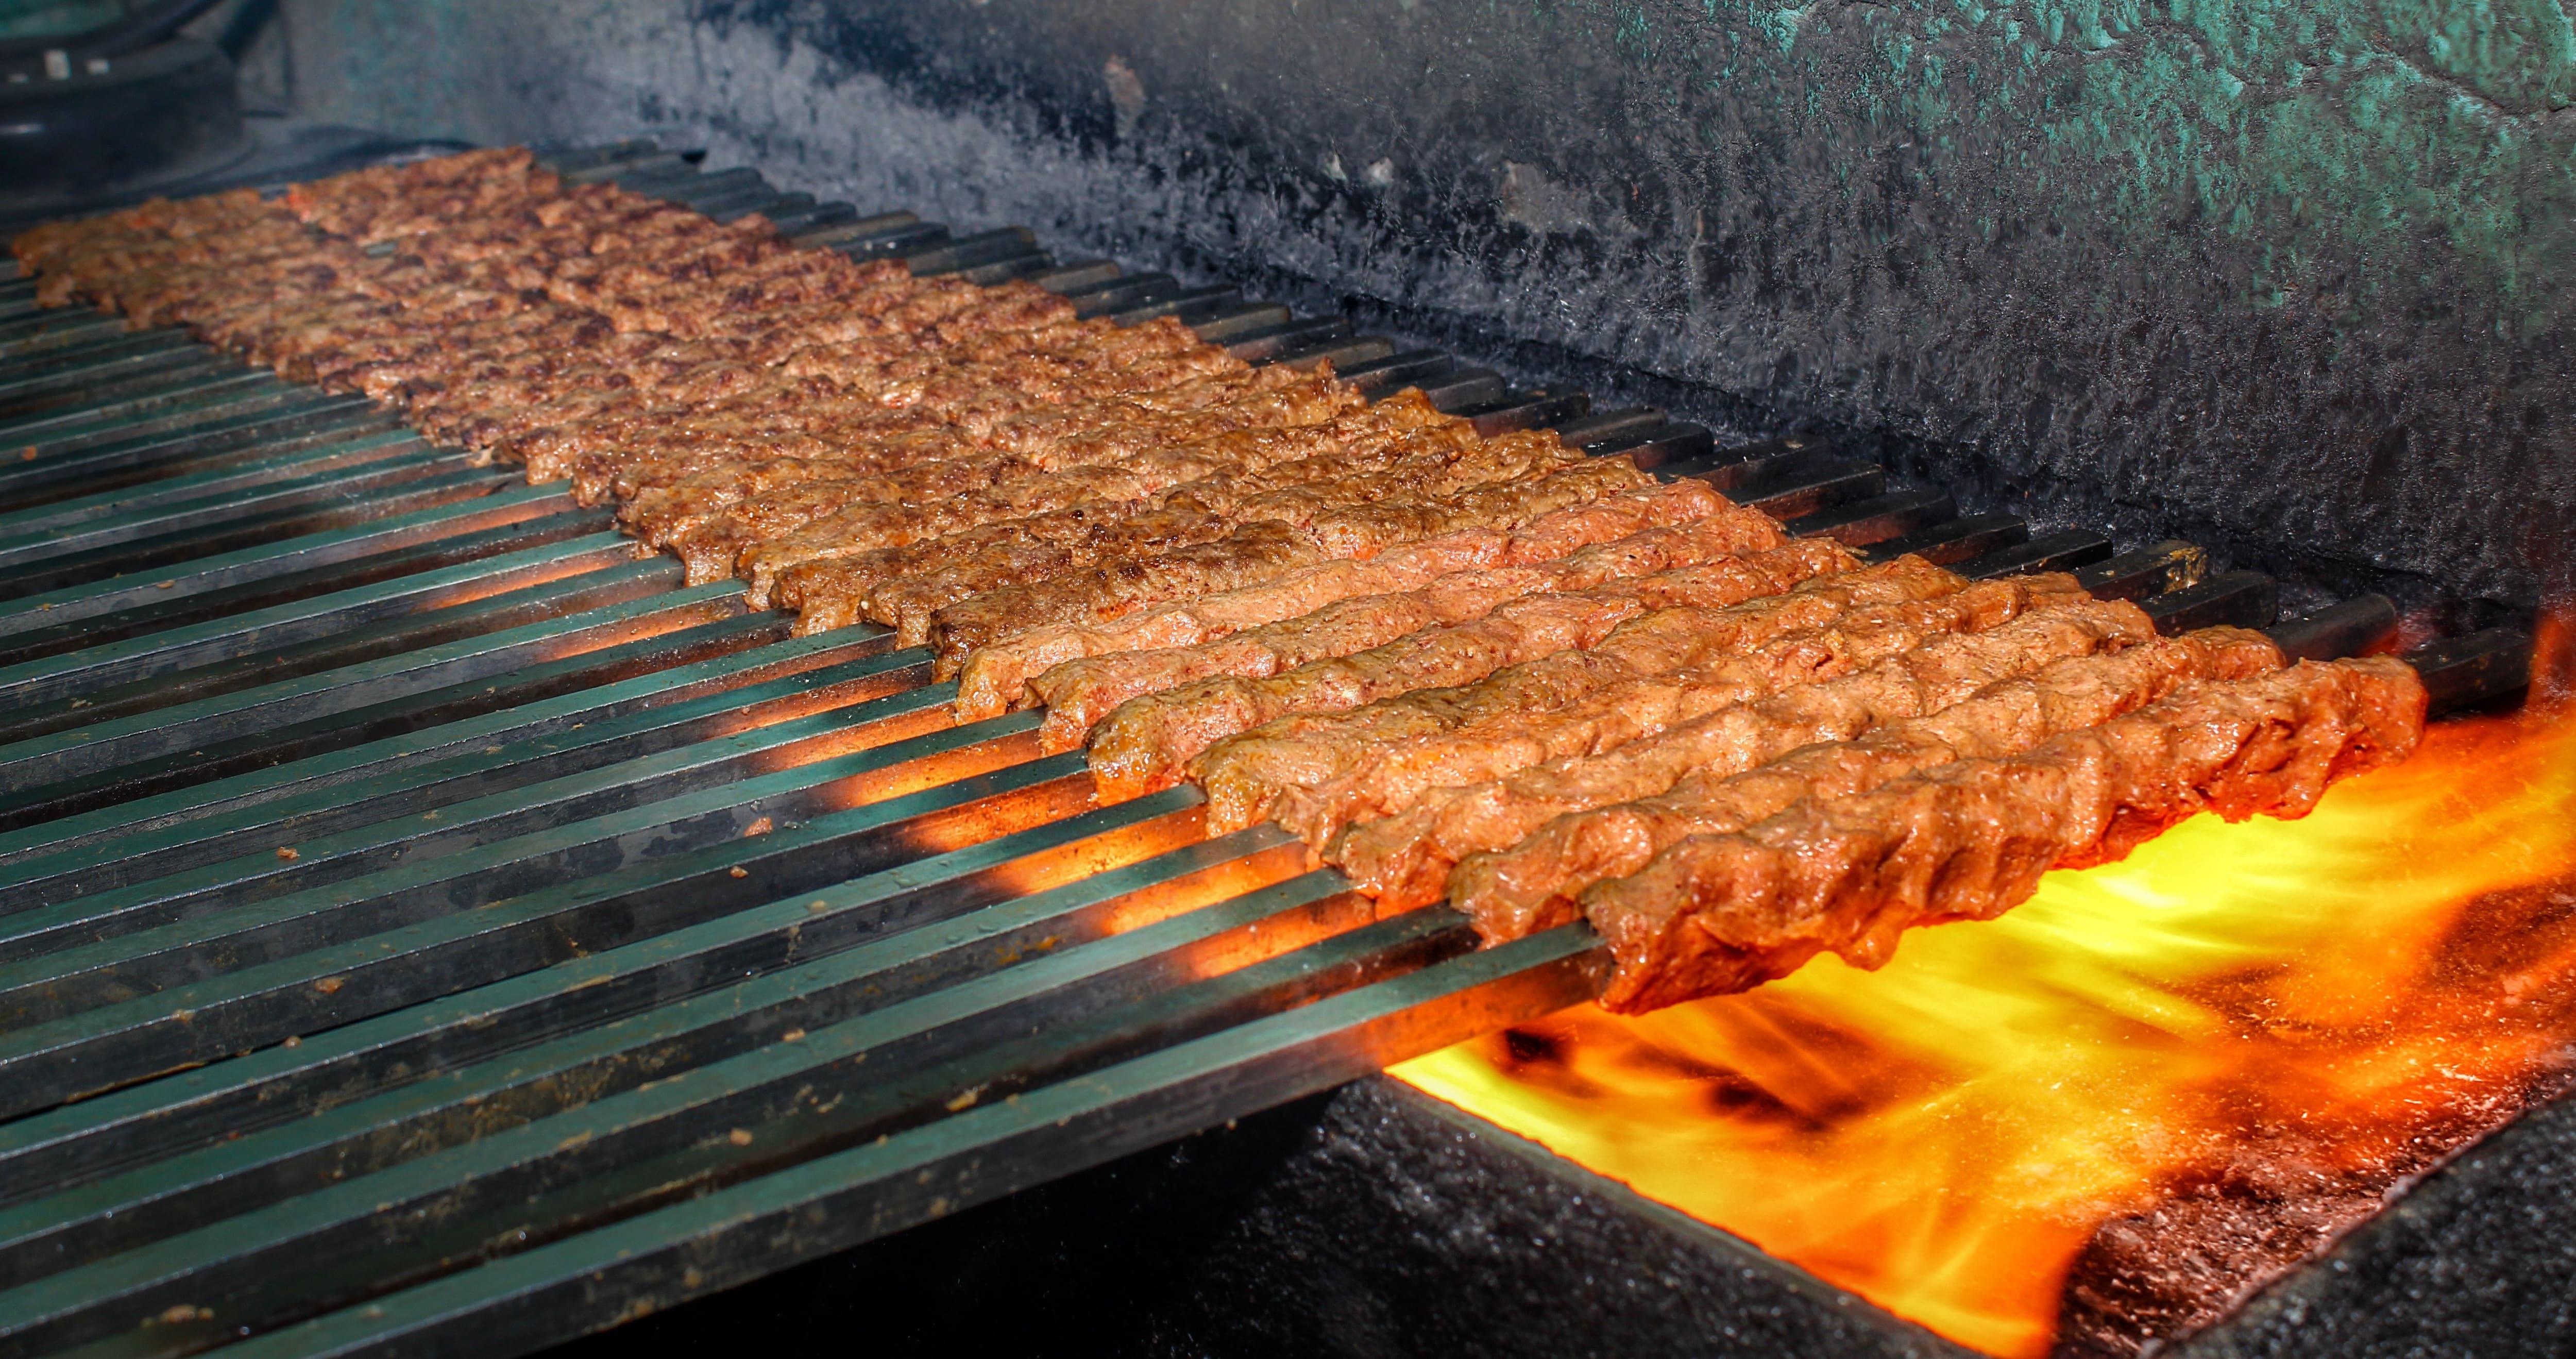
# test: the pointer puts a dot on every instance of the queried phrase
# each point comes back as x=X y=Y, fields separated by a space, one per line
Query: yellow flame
x=1944 y=1136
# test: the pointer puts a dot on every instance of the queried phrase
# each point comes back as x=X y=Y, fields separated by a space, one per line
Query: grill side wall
x=2277 y=274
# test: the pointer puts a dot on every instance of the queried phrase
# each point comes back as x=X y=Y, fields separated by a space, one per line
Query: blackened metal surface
x=2478 y=1259
x=157 y=112
x=1370 y=1224
x=1376 y=1222
x=2264 y=275
x=1399 y=1227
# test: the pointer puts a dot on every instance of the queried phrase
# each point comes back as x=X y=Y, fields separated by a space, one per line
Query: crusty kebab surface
x=1969 y=839
x=1541 y=687
x=858 y=444
x=1637 y=731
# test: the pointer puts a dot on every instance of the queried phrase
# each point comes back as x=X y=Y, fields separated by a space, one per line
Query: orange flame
x=2377 y=984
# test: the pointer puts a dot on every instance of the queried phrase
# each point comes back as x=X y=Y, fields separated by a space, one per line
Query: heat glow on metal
x=2299 y=1014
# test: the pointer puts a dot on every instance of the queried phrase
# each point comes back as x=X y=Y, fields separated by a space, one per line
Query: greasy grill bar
x=424 y=919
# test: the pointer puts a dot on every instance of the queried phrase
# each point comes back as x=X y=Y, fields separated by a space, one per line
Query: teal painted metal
x=2286 y=270
x=216 y=572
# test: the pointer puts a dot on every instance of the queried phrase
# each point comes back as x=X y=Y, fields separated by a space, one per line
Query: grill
x=423 y=921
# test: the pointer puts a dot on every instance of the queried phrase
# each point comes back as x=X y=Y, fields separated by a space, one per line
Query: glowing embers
x=910 y=769
x=1054 y=866
x=1226 y=876
x=2271 y=1022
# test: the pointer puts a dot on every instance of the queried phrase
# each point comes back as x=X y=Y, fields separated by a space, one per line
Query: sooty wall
x=2266 y=272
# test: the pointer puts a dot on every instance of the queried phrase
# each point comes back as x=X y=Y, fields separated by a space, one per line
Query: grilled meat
x=388 y=201
x=1654 y=626
x=1507 y=835
x=599 y=439
x=1148 y=742
x=1513 y=880
x=668 y=498
x=1312 y=493
x=1265 y=550
x=1079 y=693
x=997 y=677
x=1378 y=760
x=1969 y=839
x=826 y=569
x=1016 y=487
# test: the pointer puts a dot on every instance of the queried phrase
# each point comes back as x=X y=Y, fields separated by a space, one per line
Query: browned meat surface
x=1524 y=843
x=1148 y=742
x=1080 y=692
x=1313 y=493
x=998 y=677
x=1653 y=625
x=1541 y=685
x=599 y=441
x=1514 y=880
x=910 y=602
x=1385 y=757
x=1267 y=550
x=1016 y=487
x=1969 y=839
x=665 y=501
x=1495 y=814
x=504 y=232
x=506 y=236
x=826 y=569
x=1654 y=665
x=384 y=202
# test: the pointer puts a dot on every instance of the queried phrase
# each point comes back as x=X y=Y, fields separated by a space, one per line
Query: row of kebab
x=1540 y=686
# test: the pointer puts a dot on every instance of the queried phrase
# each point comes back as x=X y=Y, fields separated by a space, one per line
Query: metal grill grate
x=422 y=921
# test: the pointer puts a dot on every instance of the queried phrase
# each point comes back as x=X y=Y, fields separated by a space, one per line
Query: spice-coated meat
x=1518 y=847
x=668 y=498
x=946 y=572
x=1106 y=592
x=1380 y=759
x=998 y=677
x=602 y=438
x=1311 y=494
x=1492 y=813
x=1120 y=469
x=1842 y=738
x=1339 y=607
x=826 y=569
x=1305 y=720
x=657 y=438
x=1222 y=677
x=1656 y=667
x=1147 y=743
x=1969 y=839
